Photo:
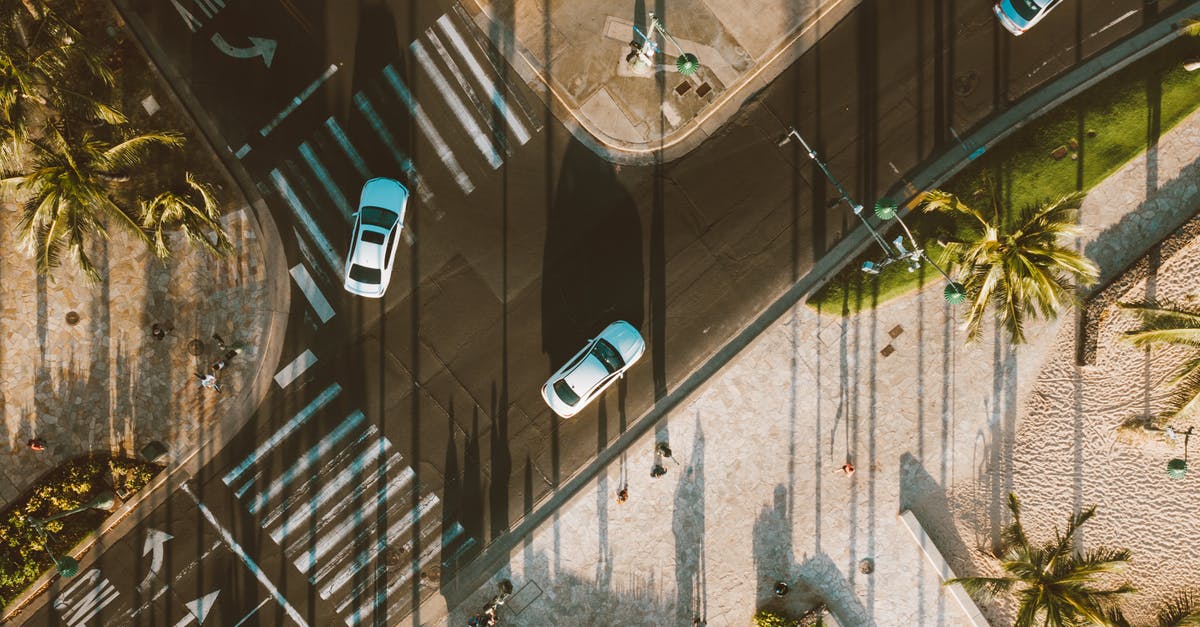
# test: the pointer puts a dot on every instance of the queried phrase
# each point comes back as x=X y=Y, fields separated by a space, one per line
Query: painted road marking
x=368 y=606
x=327 y=541
x=364 y=106
x=299 y=100
x=296 y=421
x=370 y=552
x=85 y=597
x=246 y=559
x=331 y=188
x=210 y=7
x=313 y=293
x=465 y=86
x=353 y=472
x=306 y=461
x=456 y=106
x=340 y=137
x=306 y=219
x=290 y=372
x=431 y=133
x=497 y=98
x=252 y=613
x=198 y=609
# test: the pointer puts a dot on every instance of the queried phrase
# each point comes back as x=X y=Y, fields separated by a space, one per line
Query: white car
x=1019 y=16
x=602 y=361
x=377 y=225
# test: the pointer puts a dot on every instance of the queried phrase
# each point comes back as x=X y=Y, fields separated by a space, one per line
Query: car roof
x=586 y=375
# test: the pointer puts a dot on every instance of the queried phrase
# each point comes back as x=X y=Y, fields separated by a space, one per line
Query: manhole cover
x=964 y=83
x=72 y=318
x=195 y=347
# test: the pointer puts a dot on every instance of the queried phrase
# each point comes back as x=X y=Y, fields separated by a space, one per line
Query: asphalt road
x=414 y=435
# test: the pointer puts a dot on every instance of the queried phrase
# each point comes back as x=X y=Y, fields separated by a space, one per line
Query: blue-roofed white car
x=1019 y=16
x=602 y=361
x=377 y=225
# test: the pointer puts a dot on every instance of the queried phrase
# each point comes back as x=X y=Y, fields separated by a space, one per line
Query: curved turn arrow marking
x=260 y=46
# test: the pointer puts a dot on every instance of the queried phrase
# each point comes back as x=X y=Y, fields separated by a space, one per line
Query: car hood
x=626 y=339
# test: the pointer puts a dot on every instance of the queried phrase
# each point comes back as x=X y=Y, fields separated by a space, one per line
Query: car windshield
x=565 y=392
x=608 y=356
x=1027 y=9
x=380 y=217
x=363 y=274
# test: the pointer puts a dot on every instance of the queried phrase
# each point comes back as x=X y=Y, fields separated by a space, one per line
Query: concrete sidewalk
x=754 y=495
x=574 y=51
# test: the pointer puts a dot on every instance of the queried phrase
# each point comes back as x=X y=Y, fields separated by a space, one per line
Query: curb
x=125 y=518
x=932 y=173
x=708 y=121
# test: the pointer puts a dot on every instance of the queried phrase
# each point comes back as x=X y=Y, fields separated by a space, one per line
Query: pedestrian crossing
x=481 y=112
x=348 y=512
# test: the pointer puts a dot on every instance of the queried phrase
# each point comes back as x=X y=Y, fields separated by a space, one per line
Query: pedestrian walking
x=218 y=366
x=657 y=471
x=847 y=468
x=208 y=381
x=157 y=332
x=37 y=444
x=622 y=495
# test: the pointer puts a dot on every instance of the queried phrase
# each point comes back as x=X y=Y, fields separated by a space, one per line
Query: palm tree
x=172 y=210
x=46 y=68
x=1018 y=266
x=1054 y=582
x=1179 y=611
x=69 y=180
x=1167 y=325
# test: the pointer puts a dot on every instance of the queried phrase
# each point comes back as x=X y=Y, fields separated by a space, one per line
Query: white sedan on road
x=377 y=225
x=1019 y=16
x=602 y=361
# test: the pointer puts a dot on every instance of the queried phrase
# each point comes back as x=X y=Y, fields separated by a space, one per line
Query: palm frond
x=1181 y=610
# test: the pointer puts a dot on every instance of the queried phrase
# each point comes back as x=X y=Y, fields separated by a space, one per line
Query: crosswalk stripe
x=293 y=370
x=364 y=557
x=497 y=98
x=309 y=288
x=331 y=188
x=327 y=541
x=306 y=219
x=307 y=460
x=340 y=137
x=456 y=105
x=426 y=556
x=315 y=477
x=465 y=86
x=290 y=426
x=431 y=133
x=368 y=110
x=371 y=602
x=299 y=99
x=350 y=473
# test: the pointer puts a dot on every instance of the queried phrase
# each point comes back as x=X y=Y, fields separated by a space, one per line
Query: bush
x=771 y=618
x=23 y=553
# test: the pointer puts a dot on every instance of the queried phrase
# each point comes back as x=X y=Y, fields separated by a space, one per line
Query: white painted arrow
x=155 y=540
x=199 y=608
x=259 y=47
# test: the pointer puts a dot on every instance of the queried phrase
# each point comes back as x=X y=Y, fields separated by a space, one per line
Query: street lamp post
x=885 y=209
x=642 y=56
x=66 y=565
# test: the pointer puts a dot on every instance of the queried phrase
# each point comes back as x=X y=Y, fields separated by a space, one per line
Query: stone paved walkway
x=756 y=497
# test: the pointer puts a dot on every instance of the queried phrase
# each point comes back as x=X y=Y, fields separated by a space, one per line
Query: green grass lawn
x=1109 y=124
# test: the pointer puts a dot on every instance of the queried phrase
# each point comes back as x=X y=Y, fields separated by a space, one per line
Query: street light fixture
x=886 y=209
x=642 y=56
x=66 y=565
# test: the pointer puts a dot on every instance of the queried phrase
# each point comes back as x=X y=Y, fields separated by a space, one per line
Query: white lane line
x=315 y=478
x=1114 y=22
x=243 y=151
x=351 y=473
x=340 y=137
x=299 y=100
x=252 y=613
x=306 y=461
x=310 y=225
x=497 y=98
x=431 y=133
x=327 y=541
x=290 y=372
x=364 y=557
x=247 y=560
x=456 y=105
x=291 y=425
x=305 y=282
x=485 y=113
x=327 y=182
x=368 y=110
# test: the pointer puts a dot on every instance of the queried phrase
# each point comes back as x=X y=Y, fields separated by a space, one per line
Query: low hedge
x=23 y=556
